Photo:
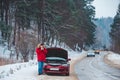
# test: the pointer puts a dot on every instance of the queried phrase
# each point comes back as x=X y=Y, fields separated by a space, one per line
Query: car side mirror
x=69 y=59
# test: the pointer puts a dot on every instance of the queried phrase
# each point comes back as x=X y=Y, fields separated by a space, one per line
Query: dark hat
x=42 y=44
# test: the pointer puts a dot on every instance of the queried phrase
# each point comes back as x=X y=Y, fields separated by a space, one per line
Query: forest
x=115 y=32
x=25 y=23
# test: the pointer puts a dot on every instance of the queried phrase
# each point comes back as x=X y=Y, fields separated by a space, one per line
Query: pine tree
x=78 y=27
x=115 y=32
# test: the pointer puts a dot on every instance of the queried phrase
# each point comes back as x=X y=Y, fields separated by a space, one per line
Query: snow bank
x=12 y=68
x=115 y=58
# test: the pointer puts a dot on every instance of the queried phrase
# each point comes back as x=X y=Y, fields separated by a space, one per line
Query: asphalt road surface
x=94 y=68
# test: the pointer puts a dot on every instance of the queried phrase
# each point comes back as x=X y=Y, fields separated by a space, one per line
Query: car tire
x=96 y=52
x=67 y=74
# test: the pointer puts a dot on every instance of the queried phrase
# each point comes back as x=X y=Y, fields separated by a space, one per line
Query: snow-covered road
x=94 y=68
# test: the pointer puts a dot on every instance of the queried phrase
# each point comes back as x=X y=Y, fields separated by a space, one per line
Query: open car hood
x=57 y=52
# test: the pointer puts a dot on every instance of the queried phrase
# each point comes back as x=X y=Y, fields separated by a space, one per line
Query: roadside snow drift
x=115 y=58
x=11 y=69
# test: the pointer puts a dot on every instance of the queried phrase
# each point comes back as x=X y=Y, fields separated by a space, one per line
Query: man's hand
x=42 y=48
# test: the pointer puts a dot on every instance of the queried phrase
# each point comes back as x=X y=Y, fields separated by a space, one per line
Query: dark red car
x=57 y=61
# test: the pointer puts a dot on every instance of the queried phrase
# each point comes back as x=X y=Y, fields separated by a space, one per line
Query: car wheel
x=67 y=74
x=97 y=53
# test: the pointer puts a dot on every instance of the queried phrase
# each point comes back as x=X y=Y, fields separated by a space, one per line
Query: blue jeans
x=40 y=67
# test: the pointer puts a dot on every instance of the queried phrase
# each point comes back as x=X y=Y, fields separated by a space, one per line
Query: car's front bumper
x=63 y=70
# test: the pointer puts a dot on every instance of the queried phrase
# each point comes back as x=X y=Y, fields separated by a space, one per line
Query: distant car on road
x=57 y=61
x=90 y=54
x=97 y=52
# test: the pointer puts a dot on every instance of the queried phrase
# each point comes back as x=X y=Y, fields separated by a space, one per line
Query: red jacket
x=41 y=54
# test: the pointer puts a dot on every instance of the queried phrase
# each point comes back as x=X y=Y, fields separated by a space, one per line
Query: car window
x=55 y=59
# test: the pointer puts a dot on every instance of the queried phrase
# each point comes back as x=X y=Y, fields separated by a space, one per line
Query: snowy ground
x=4 y=52
x=11 y=69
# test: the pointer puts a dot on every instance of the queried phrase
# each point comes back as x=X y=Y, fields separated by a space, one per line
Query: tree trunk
x=41 y=21
x=14 y=34
x=6 y=11
x=2 y=10
x=6 y=17
x=25 y=58
x=32 y=54
x=2 y=14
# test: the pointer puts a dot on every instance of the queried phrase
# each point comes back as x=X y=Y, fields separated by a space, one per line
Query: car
x=57 y=62
x=97 y=52
x=90 y=54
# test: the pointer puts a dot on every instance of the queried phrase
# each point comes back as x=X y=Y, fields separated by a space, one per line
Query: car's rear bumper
x=90 y=55
x=96 y=52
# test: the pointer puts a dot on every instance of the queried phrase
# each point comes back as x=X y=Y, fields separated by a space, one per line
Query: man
x=41 y=52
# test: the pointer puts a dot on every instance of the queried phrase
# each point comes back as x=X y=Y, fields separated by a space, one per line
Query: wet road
x=94 y=68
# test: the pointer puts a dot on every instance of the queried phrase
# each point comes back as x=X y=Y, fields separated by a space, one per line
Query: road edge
x=72 y=67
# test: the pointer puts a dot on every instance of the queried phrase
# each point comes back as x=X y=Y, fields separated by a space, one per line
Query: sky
x=105 y=8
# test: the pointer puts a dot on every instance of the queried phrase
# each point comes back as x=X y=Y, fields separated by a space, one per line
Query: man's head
x=40 y=45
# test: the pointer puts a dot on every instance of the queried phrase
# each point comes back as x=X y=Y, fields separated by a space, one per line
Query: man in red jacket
x=41 y=52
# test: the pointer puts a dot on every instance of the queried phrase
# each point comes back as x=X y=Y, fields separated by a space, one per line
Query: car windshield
x=90 y=53
x=55 y=60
